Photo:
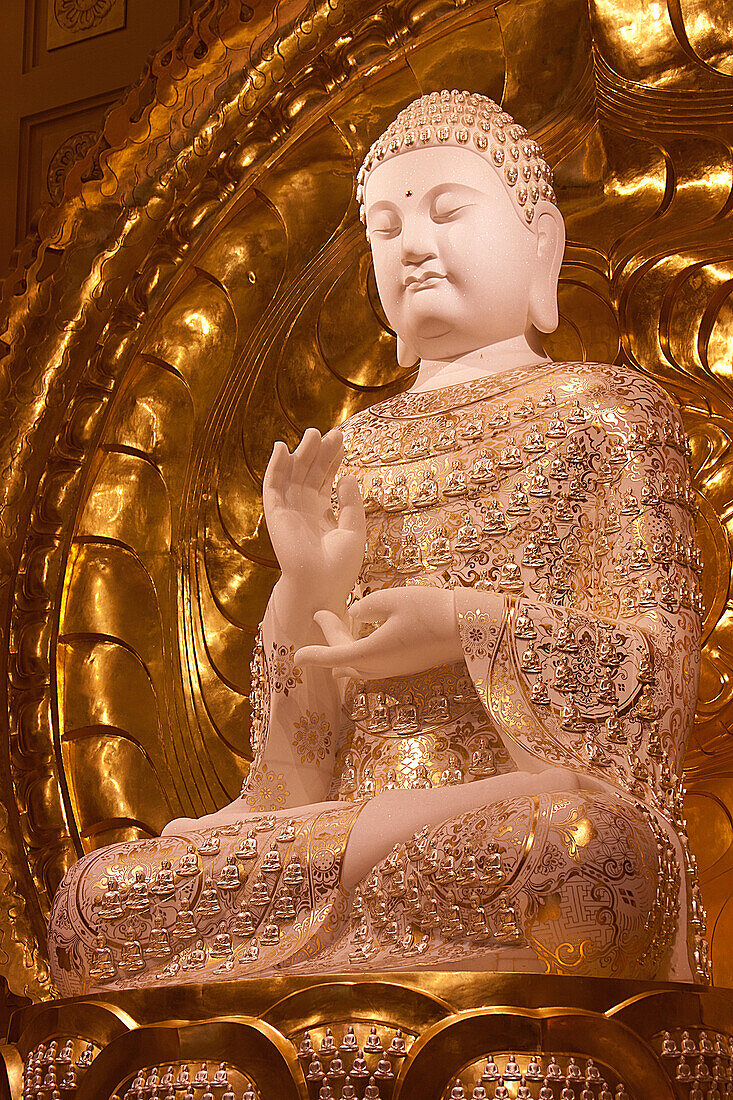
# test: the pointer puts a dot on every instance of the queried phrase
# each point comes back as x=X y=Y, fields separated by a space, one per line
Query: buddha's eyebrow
x=383 y=204
x=452 y=187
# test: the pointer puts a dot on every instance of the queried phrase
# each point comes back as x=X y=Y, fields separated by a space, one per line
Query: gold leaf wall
x=203 y=288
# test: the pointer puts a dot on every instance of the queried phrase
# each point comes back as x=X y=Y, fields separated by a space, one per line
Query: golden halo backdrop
x=203 y=287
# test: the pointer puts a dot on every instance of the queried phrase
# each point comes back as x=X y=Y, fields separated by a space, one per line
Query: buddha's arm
x=655 y=637
x=637 y=599
x=296 y=712
x=655 y=674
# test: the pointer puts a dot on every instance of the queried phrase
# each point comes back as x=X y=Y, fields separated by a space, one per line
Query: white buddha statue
x=514 y=516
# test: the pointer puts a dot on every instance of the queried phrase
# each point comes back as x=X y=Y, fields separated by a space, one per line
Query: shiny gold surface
x=451 y=1024
x=201 y=291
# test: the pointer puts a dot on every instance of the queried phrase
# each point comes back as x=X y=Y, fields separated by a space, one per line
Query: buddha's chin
x=430 y=327
x=440 y=341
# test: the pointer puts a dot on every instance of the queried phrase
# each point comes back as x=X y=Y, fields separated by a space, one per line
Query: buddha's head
x=466 y=237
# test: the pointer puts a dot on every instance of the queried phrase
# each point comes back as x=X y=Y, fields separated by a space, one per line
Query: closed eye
x=385 y=227
x=447 y=212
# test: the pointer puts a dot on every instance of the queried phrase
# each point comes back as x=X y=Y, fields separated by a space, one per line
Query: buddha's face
x=456 y=269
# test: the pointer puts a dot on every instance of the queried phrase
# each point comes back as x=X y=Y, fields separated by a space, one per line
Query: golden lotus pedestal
x=452 y=1023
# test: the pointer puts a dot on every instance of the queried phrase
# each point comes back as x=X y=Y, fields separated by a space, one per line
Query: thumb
x=334 y=629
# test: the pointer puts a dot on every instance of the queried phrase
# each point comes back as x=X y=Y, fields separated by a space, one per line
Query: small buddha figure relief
x=521 y=526
x=439 y=552
x=373 y=496
x=184 y=927
x=69 y=1081
x=467 y=539
x=222 y=944
x=483 y=471
x=421 y=780
x=494 y=516
x=164 y=884
x=482 y=760
x=86 y=1057
x=410 y=559
x=397 y=498
x=102 y=964
x=137 y=894
x=406 y=718
x=379 y=720
x=427 y=492
x=455 y=482
x=158 y=946
x=391 y=782
x=446 y=440
x=131 y=957
x=195 y=957
x=229 y=877
x=66 y=1054
x=111 y=906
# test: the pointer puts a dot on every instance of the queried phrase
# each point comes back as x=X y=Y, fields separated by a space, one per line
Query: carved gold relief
x=418 y=1033
x=204 y=288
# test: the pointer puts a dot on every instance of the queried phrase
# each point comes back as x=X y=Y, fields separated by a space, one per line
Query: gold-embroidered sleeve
x=599 y=673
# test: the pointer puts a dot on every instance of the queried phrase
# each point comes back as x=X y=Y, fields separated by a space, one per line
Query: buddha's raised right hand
x=319 y=556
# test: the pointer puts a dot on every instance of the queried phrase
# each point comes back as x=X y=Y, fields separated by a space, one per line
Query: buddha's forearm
x=604 y=692
x=651 y=629
x=294 y=763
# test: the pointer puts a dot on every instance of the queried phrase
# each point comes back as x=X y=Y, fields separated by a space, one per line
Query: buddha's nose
x=416 y=241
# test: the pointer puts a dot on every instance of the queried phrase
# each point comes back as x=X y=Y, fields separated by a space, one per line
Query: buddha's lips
x=424 y=279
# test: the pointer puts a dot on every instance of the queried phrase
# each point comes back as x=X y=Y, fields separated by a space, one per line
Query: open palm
x=314 y=549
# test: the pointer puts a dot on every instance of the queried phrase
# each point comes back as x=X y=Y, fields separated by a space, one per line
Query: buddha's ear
x=550 y=234
x=406 y=357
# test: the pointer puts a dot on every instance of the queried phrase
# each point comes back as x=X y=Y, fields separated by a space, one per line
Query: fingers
x=305 y=454
x=346 y=673
x=337 y=635
x=351 y=506
x=377 y=605
x=311 y=468
x=278 y=469
x=325 y=656
x=343 y=650
x=325 y=466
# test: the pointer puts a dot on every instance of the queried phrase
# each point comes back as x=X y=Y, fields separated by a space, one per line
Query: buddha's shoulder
x=604 y=385
x=614 y=385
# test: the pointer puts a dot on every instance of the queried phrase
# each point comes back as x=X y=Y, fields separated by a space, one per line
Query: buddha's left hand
x=417 y=629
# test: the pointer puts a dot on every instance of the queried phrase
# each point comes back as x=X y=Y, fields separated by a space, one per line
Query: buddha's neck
x=434 y=374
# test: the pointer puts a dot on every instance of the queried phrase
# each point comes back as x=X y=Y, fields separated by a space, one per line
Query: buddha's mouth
x=424 y=280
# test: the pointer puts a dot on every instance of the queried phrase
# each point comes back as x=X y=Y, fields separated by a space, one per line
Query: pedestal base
x=581 y=1032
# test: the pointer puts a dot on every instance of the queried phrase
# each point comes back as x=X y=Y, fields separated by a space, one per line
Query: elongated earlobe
x=550 y=250
x=406 y=357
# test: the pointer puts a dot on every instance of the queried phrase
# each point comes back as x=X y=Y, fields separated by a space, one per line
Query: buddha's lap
x=576 y=873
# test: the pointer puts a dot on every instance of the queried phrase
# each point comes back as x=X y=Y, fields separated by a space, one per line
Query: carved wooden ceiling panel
x=65 y=62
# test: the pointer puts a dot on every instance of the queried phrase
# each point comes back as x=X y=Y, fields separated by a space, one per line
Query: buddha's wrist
x=294 y=604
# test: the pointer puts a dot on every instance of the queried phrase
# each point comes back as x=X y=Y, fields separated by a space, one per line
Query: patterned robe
x=556 y=504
